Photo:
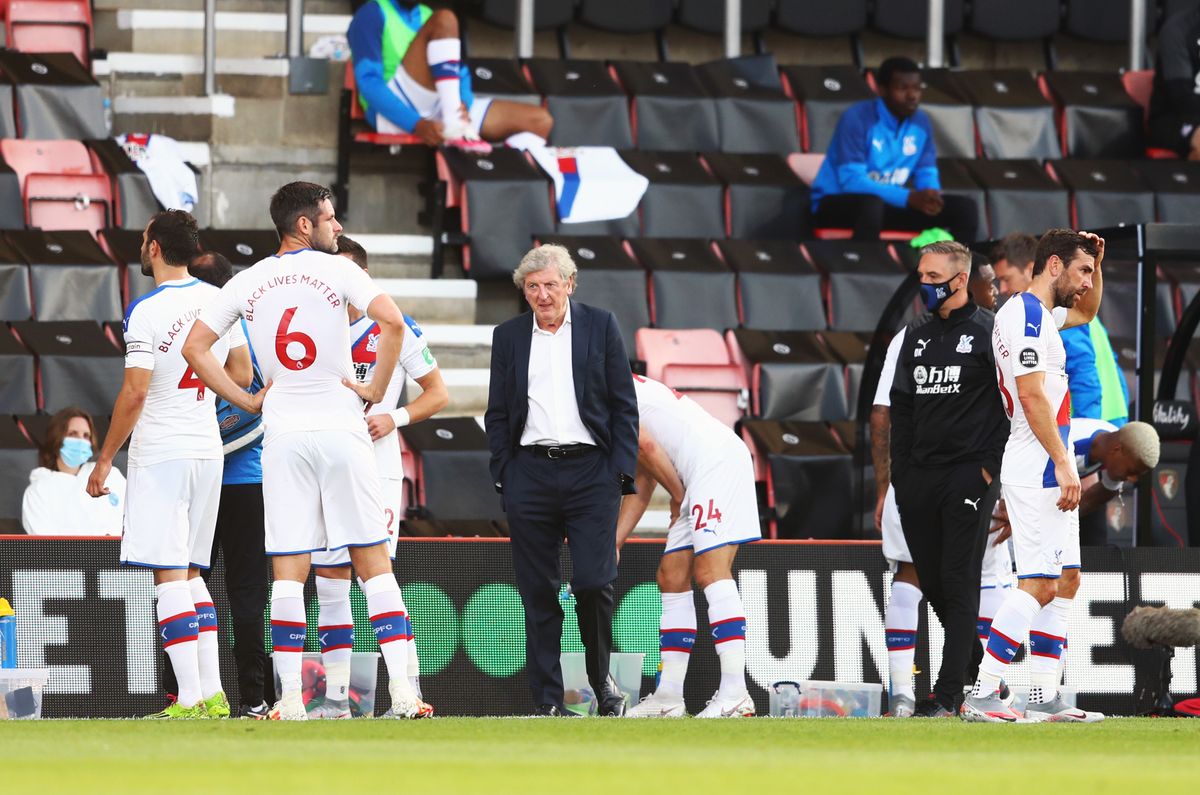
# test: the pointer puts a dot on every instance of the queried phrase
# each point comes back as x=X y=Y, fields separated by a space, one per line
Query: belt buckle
x=555 y=453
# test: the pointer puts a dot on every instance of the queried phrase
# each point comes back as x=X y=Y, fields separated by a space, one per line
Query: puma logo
x=920 y=349
x=1037 y=329
x=974 y=504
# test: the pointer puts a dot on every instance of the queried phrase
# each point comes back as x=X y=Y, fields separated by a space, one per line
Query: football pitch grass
x=482 y=755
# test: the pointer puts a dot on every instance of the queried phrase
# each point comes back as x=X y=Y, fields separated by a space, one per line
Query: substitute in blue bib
x=881 y=168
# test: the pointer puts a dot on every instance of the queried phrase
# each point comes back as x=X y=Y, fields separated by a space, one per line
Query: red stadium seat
x=59 y=186
x=1140 y=85
x=661 y=347
x=806 y=166
x=50 y=26
x=720 y=389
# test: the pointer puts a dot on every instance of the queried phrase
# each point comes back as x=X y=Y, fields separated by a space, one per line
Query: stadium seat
x=1020 y=196
x=501 y=78
x=1014 y=20
x=779 y=289
x=18 y=376
x=40 y=26
x=950 y=113
x=56 y=97
x=8 y=121
x=683 y=198
x=59 y=186
x=588 y=107
x=809 y=475
x=794 y=375
x=821 y=18
x=77 y=365
x=15 y=294
x=720 y=389
x=824 y=93
x=1139 y=84
x=134 y=202
x=124 y=246
x=71 y=277
x=18 y=457
x=491 y=185
x=862 y=277
x=629 y=16
x=850 y=347
x=1099 y=20
x=1185 y=277
x=690 y=287
x=1104 y=193
x=909 y=19
x=1097 y=117
x=1176 y=186
x=660 y=347
x=12 y=208
x=612 y=280
x=753 y=113
x=669 y=109
x=956 y=180
x=763 y=197
x=243 y=247
x=547 y=14
x=1012 y=118
x=708 y=16
x=1119 y=309
x=455 y=489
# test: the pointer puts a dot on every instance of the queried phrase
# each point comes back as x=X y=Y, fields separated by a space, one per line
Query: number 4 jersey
x=295 y=310
x=178 y=419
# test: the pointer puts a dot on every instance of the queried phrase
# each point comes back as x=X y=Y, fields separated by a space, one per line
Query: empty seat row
x=49 y=26
x=49 y=95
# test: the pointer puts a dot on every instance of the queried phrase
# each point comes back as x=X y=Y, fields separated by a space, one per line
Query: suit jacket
x=603 y=388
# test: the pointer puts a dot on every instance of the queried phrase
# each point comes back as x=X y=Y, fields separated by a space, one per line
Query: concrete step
x=240 y=34
x=460 y=346
x=468 y=389
x=434 y=301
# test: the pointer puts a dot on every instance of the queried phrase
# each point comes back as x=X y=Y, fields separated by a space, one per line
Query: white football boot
x=1057 y=711
x=659 y=704
x=736 y=706
x=290 y=707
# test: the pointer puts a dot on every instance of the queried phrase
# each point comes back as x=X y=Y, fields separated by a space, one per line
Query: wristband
x=399 y=416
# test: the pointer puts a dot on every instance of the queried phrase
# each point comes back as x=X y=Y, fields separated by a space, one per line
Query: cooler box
x=21 y=692
x=578 y=696
x=364 y=669
x=839 y=700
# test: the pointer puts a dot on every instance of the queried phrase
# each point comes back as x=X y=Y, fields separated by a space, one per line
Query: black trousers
x=946 y=513
x=867 y=215
x=240 y=537
x=546 y=501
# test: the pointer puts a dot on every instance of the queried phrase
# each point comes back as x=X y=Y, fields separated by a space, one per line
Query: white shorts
x=171 y=513
x=997 y=564
x=425 y=102
x=895 y=548
x=321 y=491
x=720 y=506
x=393 y=512
x=1045 y=539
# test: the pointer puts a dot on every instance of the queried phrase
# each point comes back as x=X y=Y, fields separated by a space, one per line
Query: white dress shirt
x=553 y=411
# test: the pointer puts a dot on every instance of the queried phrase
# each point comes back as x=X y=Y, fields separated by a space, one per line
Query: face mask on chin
x=75 y=452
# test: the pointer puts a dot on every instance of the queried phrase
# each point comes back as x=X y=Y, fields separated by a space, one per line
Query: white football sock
x=335 y=629
x=289 y=630
x=1010 y=626
x=676 y=638
x=444 y=57
x=389 y=619
x=990 y=600
x=1047 y=638
x=900 y=624
x=179 y=627
x=207 y=648
x=727 y=618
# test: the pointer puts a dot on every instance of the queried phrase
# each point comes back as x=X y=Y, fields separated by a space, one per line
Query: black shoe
x=612 y=703
x=932 y=708
x=553 y=711
x=255 y=713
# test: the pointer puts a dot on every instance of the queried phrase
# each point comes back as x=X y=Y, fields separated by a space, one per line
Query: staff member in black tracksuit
x=948 y=434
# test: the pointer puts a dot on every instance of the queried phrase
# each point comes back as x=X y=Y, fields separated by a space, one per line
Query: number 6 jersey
x=178 y=419
x=295 y=310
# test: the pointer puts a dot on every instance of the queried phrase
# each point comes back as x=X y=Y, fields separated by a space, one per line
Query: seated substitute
x=1174 y=121
x=56 y=502
x=881 y=168
x=410 y=76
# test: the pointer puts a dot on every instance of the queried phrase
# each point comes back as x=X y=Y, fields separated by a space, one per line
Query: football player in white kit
x=175 y=459
x=320 y=480
x=707 y=471
x=1039 y=477
x=335 y=623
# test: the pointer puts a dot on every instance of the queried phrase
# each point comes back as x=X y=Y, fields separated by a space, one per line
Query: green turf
x=1127 y=756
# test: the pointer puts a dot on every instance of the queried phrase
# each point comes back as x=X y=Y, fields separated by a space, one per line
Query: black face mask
x=934 y=295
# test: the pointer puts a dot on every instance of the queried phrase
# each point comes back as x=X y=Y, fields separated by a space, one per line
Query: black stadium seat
x=243 y=247
x=794 y=375
x=821 y=17
x=77 y=365
x=1176 y=186
x=135 y=202
x=824 y=93
x=72 y=277
x=1014 y=20
x=1099 y=20
x=546 y=13
x=8 y=121
x=909 y=19
x=690 y=287
x=610 y=279
x=1098 y=117
x=753 y=112
x=956 y=180
x=1021 y=196
x=1119 y=309
x=125 y=246
x=18 y=384
x=12 y=207
x=501 y=78
x=626 y=16
x=862 y=278
x=764 y=197
x=1105 y=193
x=456 y=491
x=15 y=301
x=779 y=288
x=708 y=16
x=588 y=107
x=950 y=113
x=18 y=457
x=1012 y=118
x=56 y=97
x=671 y=110
x=683 y=199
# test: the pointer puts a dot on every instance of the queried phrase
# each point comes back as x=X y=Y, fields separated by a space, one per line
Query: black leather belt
x=556 y=452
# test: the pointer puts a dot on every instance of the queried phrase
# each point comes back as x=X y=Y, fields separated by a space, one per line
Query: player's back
x=178 y=418
x=295 y=310
x=1025 y=340
x=688 y=434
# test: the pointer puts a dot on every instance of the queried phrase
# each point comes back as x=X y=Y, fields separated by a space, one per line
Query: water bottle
x=785 y=699
x=8 y=636
x=108 y=116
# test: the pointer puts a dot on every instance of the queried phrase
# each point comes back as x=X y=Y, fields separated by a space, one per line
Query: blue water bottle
x=8 y=636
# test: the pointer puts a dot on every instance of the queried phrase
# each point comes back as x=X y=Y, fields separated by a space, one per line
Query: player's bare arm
x=1032 y=394
x=1094 y=498
x=239 y=367
x=433 y=398
x=655 y=460
x=1088 y=304
x=197 y=351
x=383 y=310
x=634 y=506
x=881 y=457
x=126 y=410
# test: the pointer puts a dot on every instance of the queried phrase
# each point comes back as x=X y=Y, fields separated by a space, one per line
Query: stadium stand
x=1096 y=116
x=18 y=376
x=823 y=93
x=124 y=246
x=763 y=196
x=55 y=96
x=816 y=18
x=1176 y=186
x=753 y=113
x=909 y=19
x=862 y=277
x=630 y=17
x=16 y=298
x=1020 y=196
x=60 y=187
x=454 y=489
x=70 y=275
x=793 y=375
x=778 y=289
x=18 y=456
x=690 y=287
x=1104 y=192
x=669 y=108
x=708 y=16
x=588 y=107
x=77 y=364
x=50 y=26
x=661 y=347
x=683 y=200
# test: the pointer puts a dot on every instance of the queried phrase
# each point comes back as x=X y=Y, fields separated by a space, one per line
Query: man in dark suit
x=562 y=424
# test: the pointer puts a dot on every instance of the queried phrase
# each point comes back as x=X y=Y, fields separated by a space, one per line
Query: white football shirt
x=1083 y=431
x=178 y=419
x=1025 y=340
x=688 y=434
x=295 y=310
x=883 y=392
x=416 y=361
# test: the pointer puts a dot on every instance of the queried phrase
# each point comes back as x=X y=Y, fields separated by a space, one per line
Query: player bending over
x=707 y=471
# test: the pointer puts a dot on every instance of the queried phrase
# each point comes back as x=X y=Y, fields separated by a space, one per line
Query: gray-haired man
x=562 y=424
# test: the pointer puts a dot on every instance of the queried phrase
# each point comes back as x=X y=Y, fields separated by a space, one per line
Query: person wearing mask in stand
x=56 y=501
